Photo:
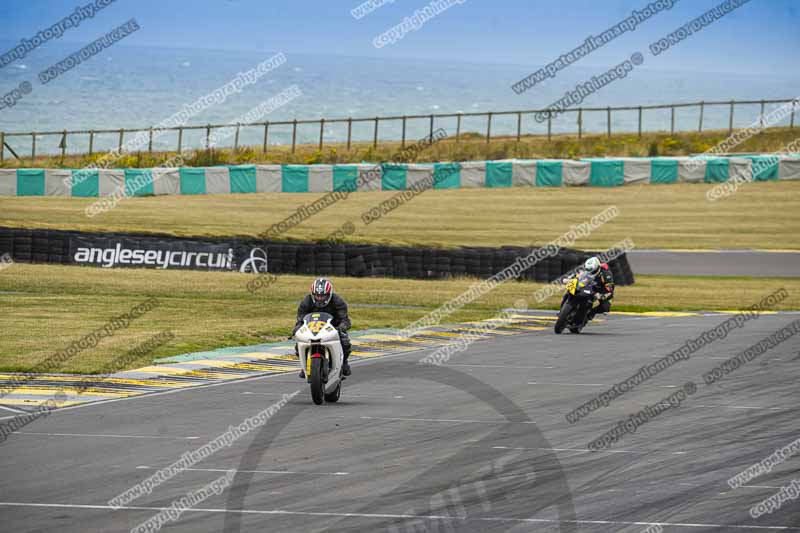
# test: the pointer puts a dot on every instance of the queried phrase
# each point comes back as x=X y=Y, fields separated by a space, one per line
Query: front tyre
x=315 y=379
x=563 y=316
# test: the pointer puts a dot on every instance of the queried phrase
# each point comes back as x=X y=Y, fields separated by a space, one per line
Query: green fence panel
x=345 y=178
x=193 y=181
x=446 y=176
x=294 y=178
x=765 y=168
x=86 y=183
x=717 y=170
x=139 y=182
x=607 y=174
x=549 y=173
x=243 y=178
x=663 y=171
x=394 y=177
x=499 y=174
x=30 y=182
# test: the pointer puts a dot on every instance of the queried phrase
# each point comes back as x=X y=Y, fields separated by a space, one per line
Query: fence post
x=2 y=146
x=321 y=133
x=489 y=129
x=91 y=142
x=33 y=145
x=608 y=119
x=150 y=142
x=375 y=134
x=702 y=109
x=208 y=137
x=761 y=117
x=730 y=119
x=672 y=121
x=236 y=139
x=580 y=123
x=349 y=132
x=63 y=145
x=640 y=122
x=549 y=124
x=403 y=142
x=266 y=137
x=519 y=126
x=431 y=133
x=121 y=136
x=180 y=139
x=294 y=135
x=458 y=128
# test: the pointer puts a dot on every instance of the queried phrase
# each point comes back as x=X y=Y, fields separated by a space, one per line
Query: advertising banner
x=112 y=251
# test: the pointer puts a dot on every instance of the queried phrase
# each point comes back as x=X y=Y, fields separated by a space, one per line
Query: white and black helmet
x=321 y=292
x=592 y=266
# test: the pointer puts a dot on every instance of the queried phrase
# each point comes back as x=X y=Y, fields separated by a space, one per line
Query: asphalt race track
x=480 y=444
x=757 y=263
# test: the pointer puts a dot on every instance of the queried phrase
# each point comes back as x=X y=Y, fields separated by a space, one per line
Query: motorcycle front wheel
x=563 y=315
x=315 y=379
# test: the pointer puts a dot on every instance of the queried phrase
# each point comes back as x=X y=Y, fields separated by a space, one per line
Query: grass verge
x=760 y=215
x=47 y=307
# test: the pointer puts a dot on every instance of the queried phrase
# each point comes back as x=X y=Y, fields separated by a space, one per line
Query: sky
x=761 y=37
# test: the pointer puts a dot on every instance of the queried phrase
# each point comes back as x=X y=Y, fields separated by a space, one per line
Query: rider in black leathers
x=604 y=280
x=323 y=300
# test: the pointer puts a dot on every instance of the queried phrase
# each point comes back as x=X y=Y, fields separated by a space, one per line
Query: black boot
x=345 y=365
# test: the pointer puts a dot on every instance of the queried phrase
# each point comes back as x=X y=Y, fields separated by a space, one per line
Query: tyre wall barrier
x=130 y=250
x=379 y=176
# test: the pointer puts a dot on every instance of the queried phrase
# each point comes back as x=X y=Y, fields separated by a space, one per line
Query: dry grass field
x=764 y=215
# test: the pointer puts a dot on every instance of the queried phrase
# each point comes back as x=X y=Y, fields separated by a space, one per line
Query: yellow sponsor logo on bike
x=572 y=286
x=315 y=327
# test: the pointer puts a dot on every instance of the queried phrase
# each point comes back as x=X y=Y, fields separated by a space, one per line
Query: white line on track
x=103 y=436
x=569 y=384
x=286 y=472
x=583 y=450
x=498 y=366
x=592 y=384
x=398 y=419
x=20 y=411
x=647 y=318
x=326 y=514
x=348 y=395
x=742 y=407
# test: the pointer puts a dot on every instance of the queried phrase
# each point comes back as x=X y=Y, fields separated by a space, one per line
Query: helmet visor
x=321 y=299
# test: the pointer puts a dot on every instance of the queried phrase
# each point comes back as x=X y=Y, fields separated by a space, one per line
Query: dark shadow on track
x=473 y=482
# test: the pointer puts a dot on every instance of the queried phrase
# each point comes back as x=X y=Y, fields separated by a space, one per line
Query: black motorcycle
x=582 y=291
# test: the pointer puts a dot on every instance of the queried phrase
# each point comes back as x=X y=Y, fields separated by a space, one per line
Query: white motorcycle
x=321 y=356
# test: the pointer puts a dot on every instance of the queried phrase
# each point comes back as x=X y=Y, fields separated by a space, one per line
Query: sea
x=137 y=87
